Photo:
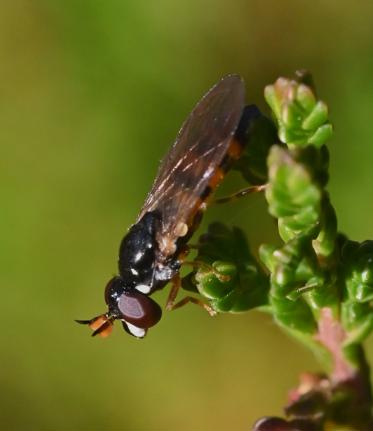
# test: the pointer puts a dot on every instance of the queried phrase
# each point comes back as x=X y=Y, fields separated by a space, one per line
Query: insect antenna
x=102 y=325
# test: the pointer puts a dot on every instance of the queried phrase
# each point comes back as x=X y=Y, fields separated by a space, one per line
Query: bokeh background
x=92 y=94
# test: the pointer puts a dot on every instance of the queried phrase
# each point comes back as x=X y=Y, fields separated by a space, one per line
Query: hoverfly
x=152 y=252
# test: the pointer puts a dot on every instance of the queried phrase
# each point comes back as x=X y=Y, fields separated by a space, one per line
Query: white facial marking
x=135 y=330
x=143 y=288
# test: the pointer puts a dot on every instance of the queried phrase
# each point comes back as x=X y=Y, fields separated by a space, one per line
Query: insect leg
x=176 y=284
x=240 y=194
x=196 y=301
x=170 y=305
x=199 y=264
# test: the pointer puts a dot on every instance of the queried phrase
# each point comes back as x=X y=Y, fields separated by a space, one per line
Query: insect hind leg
x=241 y=193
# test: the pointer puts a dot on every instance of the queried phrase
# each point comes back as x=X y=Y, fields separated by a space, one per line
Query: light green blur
x=92 y=94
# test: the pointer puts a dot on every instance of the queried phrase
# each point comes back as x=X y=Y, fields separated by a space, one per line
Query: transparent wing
x=200 y=147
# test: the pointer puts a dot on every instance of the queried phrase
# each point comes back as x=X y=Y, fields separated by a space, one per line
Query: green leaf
x=228 y=275
x=357 y=318
x=293 y=315
x=292 y=196
x=357 y=264
x=317 y=117
x=322 y=134
x=325 y=242
x=301 y=119
x=294 y=266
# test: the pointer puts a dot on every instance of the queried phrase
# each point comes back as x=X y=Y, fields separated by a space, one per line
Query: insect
x=152 y=251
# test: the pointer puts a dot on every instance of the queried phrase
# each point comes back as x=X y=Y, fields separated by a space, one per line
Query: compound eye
x=139 y=310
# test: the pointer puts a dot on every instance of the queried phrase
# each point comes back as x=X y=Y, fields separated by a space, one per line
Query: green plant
x=318 y=285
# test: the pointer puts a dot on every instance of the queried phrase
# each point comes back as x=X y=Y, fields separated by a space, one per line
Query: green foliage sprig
x=318 y=285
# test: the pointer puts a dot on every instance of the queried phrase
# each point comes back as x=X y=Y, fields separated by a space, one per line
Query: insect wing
x=199 y=149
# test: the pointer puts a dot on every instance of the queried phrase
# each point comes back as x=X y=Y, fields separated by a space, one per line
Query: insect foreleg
x=176 y=284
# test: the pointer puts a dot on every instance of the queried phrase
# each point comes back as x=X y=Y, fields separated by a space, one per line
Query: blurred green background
x=92 y=94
